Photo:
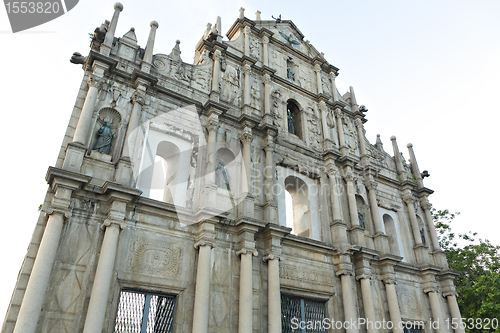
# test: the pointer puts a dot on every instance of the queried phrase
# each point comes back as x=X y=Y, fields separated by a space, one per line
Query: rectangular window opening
x=302 y=315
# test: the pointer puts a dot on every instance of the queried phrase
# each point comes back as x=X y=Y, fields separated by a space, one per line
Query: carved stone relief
x=231 y=88
x=154 y=258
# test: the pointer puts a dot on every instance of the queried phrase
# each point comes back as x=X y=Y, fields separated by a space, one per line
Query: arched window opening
x=164 y=172
x=301 y=210
x=390 y=231
x=293 y=116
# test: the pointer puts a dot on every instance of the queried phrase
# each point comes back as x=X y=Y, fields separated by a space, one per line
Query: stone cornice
x=60 y=177
x=308 y=244
x=137 y=74
x=95 y=56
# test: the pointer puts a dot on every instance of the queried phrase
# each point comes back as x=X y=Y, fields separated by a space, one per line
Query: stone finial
x=354 y=104
x=175 y=55
x=257 y=15
x=148 y=53
x=118 y=6
x=110 y=34
x=154 y=23
x=242 y=13
x=409 y=145
x=393 y=138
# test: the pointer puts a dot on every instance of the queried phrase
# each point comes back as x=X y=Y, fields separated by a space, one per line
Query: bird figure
x=278 y=20
x=290 y=40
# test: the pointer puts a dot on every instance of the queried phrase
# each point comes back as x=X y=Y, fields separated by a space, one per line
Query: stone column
x=421 y=250
x=265 y=51
x=83 y=128
x=437 y=314
x=348 y=294
x=102 y=281
x=361 y=139
x=135 y=117
x=267 y=94
x=212 y=125
x=340 y=131
x=381 y=241
x=317 y=69
x=247 y=71
x=426 y=207
x=392 y=301
x=414 y=166
x=268 y=172
x=337 y=226
x=397 y=158
x=246 y=139
x=357 y=233
x=368 y=306
x=107 y=45
x=274 y=294
x=454 y=310
x=202 y=292
x=245 y=311
x=214 y=95
x=148 y=52
x=31 y=306
x=246 y=31
x=334 y=87
x=323 y=111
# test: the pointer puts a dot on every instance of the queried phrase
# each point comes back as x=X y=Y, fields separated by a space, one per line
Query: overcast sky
x=428 y=72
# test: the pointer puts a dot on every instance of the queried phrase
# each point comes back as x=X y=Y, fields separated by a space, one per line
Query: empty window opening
x=300 y=219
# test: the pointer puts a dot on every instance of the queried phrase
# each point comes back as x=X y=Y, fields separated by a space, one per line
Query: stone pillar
x=247 y=71
x=437 y=314
x=246 y=139
x=348 y=298
x=32 y=303
x=368 y=306
x=397 y=158
x=148 y=53
x=135 y=117
x=336 y=98
x=246 y=31
x=268 y=172
x=340 y=131
x=337 y=226
x=357 y=233
x=414 y=166
x=392 y=301
x=265 y=50
x=102 y=281
x=354 y=104
x=245 y=316
x=361 y=140
x=323 y=111
x=31 y=307
x=83 y=128
x=317 y=69
x=454 y=310
x=420 y=249
x=214 y=95
x=107 y=45
x=274 y=294
x=439 y=255
x=202 y=292
x=267 y=94
x=212 y=125
x=381 y=241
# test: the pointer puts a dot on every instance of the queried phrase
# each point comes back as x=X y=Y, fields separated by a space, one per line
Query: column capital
x=332 y=75
x=322 y=105
x=265 y=39
x=358 y=122
x=58 y=210
x=247 y=136
x=345 y=271
x=218 y=54
x=95 y=81
x=425 y=204
x=139 y=98
x=254 y=252
x=317 y=68
x=338 y=112
x=450 y=293
x=110 y=222
x=247 y=69
x=390 y=281
x=364 y=276
x=267 y=78
x=203 y=243
x=247 y=30
x=432 y=289
x=213 y=123
x=408 y=199
x=349 y=174
x=271 y=256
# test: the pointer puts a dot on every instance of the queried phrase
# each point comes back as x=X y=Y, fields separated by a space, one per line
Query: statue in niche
x=361 y=218
x=289 y=74
x=105 y=138
x=222 y=176
x=422 y=236
x=291 y=126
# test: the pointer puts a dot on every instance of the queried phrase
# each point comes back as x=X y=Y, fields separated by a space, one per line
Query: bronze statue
x=291 y=127
x=105 y=138
x=422 y=236
x=361 y=218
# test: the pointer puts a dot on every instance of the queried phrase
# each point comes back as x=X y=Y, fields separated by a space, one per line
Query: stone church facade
x=167 y=208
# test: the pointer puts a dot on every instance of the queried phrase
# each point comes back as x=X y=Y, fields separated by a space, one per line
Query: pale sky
x=428 y=72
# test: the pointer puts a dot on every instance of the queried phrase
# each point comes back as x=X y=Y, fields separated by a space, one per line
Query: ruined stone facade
x=172 y=180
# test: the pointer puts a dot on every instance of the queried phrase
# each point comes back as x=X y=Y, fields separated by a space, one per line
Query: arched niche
x=226 y=170
x=424 y=233
x=304 y=200
x=364 y=217
x=294 y=118
x=391 y=232
x=111 y=115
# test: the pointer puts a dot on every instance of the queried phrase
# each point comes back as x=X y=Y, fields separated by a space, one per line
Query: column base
x=123 y=173
x=358 y=236
x=271 y=212
x=246 y=206
x=440 y=258
x=74 y=157
x=382 y=243
x=422 y=254
x=328 y=144
x=339 y=232
x=268 y=119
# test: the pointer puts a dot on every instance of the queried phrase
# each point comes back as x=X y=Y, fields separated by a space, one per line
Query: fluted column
x=340 y=131
x=392 y=301
x=110 y=34
x=148 y=52
x=83 y=127
x=216 y=75
x=265 y=50
x=361 y=140
x=102 y=281
x=38 y=282
x=267 y=94
x=247 y=71
x=317 y=69
x=202 y=291
x=334 y=87
x=368 y=305
x=274 y=294
x=454 y=310
x=437 y=314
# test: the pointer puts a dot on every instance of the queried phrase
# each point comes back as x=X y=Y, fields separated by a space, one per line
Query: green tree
x=478 y=263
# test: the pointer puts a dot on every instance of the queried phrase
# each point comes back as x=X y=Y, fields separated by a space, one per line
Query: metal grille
x=305 y=311
x=144 y=313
